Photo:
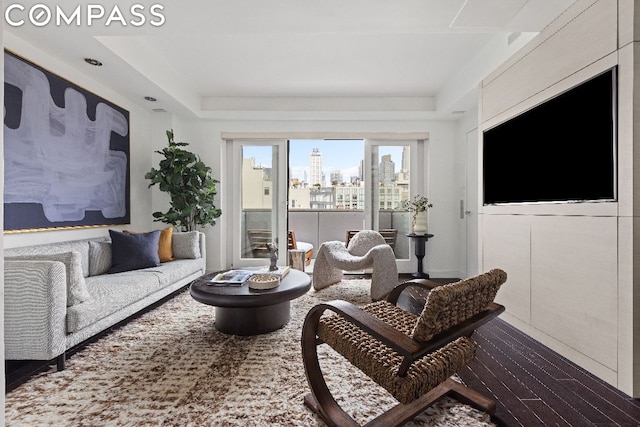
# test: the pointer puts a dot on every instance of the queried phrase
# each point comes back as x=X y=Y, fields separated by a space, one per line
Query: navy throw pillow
x=133 y=251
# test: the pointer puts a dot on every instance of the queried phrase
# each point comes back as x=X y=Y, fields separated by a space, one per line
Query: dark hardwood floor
x=533 y=385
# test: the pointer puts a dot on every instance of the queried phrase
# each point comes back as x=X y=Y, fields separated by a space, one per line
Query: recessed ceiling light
x=92 y=61
x=150 y=98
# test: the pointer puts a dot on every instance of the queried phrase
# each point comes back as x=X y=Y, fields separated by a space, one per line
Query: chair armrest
x=35 y=309
x=419 y=283
x=465 y=328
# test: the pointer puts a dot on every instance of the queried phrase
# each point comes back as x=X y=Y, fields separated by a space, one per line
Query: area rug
x=171 y=367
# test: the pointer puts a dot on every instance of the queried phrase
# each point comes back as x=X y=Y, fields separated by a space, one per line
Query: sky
x=342 y=155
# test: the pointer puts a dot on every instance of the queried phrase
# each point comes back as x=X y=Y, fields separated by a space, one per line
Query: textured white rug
x=171 y=367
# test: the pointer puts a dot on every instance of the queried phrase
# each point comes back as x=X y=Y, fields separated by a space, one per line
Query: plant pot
x=420 y=223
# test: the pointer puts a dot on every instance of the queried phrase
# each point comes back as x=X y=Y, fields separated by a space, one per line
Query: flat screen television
x=563 y=150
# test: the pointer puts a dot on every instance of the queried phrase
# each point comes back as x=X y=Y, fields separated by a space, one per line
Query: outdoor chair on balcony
x=303 y=246
x=367 y=249
x=389 y=234
x=258 y=239
x=412 y=357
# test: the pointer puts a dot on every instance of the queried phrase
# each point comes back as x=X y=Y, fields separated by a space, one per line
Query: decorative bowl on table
x=264 y=281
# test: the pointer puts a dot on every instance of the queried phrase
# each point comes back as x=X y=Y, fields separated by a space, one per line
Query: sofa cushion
x=110 y=293
x=133 y=251
x=77 y=292
x=186 y=245
x=168 y=273
x=304 y=246
x=99 y=257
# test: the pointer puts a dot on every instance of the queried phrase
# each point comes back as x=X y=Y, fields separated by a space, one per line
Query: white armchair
x=367 y=249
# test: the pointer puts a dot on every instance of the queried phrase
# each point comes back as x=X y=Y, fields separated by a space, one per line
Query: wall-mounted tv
x=563 y=150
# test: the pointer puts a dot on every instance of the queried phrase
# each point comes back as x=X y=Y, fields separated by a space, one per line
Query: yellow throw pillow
x=165 y=249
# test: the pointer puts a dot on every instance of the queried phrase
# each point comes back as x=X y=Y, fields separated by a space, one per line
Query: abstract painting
x=66 y=153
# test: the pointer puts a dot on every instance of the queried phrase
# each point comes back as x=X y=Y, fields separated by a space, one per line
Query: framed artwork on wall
x=66 y=153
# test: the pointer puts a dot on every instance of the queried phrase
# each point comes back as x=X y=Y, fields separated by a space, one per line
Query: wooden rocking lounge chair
x=412 y=357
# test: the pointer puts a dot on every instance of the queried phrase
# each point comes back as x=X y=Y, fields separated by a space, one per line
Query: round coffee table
x=241 y=310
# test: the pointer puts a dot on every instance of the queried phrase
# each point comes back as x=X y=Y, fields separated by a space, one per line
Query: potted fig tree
x=190 y=185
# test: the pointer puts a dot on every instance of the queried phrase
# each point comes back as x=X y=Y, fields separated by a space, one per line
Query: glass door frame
x=279 y=216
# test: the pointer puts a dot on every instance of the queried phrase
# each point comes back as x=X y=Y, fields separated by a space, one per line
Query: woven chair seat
x=381 y=363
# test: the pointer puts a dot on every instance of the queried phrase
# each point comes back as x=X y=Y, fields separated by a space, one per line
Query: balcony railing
x=321 y=225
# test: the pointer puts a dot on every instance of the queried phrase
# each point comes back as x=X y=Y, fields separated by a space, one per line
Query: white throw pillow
x=99 y=257
x=186 y=245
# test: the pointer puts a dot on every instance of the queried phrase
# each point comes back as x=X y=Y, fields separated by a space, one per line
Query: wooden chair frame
x=258 y=239
x=292 y=243
x=322 y=402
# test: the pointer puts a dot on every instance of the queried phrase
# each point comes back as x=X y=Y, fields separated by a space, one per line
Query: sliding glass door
x=392 y=166
x=321 y=190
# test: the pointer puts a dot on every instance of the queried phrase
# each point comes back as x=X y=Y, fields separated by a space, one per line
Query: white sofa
x=58 y=295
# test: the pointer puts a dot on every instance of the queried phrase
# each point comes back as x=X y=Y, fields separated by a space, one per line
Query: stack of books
x=280 y=272
x=239 y=277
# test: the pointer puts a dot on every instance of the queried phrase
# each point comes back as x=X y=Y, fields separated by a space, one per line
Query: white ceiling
x=214 y=55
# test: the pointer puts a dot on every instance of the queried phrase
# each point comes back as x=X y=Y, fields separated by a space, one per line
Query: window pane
x=326 y=189
x=257 y=202
x=326 y=174
x=392 y=187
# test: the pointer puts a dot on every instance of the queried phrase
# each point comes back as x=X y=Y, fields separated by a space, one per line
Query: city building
x=335 y=177
x=387 y=170
x=257 y=188
x=316 y=178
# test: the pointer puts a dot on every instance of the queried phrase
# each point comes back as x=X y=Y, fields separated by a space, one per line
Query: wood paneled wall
x=573 y=268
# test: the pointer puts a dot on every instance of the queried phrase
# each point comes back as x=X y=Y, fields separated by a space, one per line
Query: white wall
x=571 y=278
x=140 y=147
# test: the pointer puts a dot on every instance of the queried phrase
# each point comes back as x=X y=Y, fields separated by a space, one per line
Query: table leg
x=419 y=249
x=252 y=320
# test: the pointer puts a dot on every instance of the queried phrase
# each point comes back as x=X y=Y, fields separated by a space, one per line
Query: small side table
x=296 y=259
x=420 y=242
